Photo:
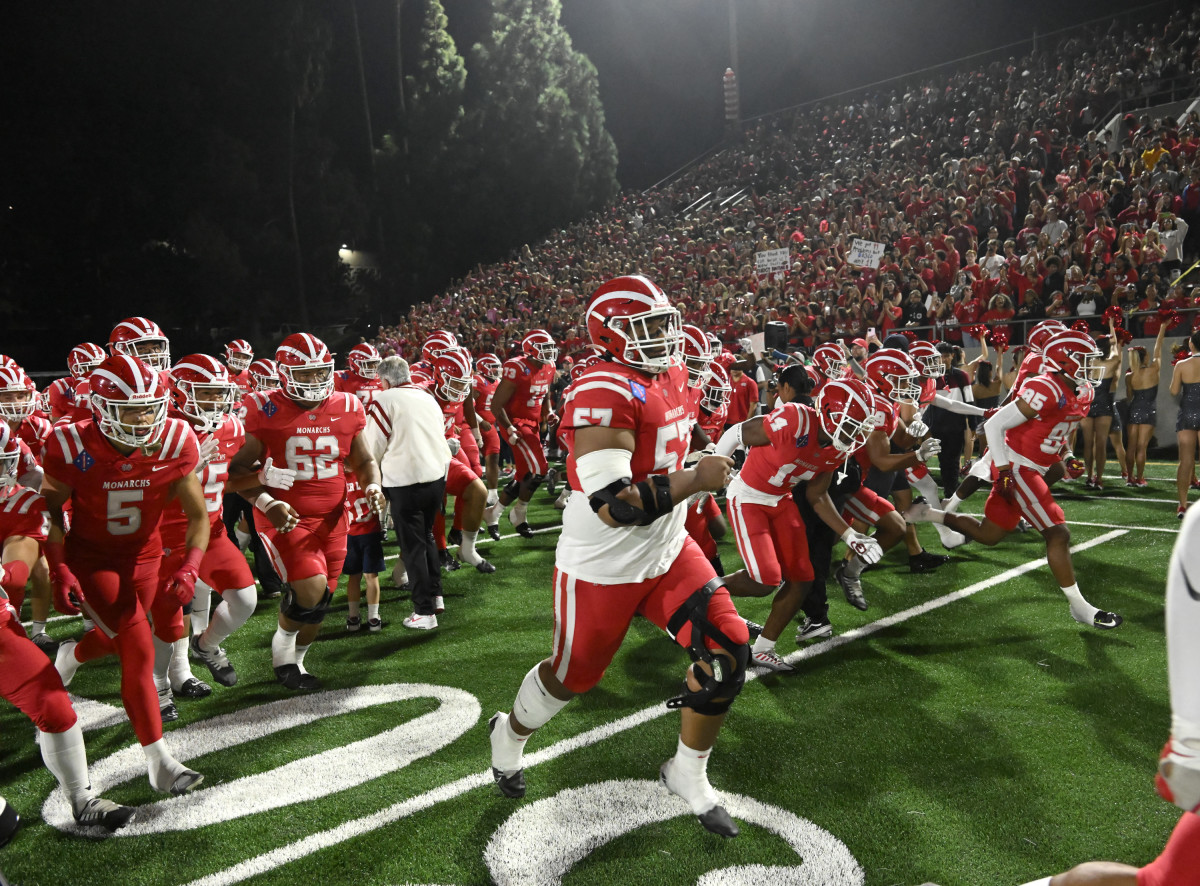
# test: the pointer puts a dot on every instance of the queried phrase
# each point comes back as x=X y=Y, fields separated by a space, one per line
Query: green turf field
x=979 y=738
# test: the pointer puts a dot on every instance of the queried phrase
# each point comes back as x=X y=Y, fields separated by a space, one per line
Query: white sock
x=953 y=504
x=493 y=498
x=88 y=624
x=372 y=611
x=507 y=747
x=301 y=651
x=65 y=757
x=162 y=767
x=466 y=550
x=162 y=663
x=235 y=610
x=1081 y=610
x=242 y=538
x=180 y=670
x=283 y=648
x=689 y=777
x=762 y=644
x=352 y=608
x=517 y=515
x=927 y=486
x=39 y=627
x=200 y=608
x=854 y=567
x=1183 y=627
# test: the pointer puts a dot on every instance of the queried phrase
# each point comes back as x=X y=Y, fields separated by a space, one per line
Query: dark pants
x=950 y=458
x=821 y=539
x=413 y=511
x=233 y=507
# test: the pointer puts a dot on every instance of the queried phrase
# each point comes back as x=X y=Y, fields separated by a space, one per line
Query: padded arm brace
x=606 y=473
x=1009 y=417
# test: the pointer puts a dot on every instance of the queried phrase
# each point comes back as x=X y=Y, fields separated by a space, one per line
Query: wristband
x=264 y=501
x=193 y=558
x=374 y=486
x=848 y=534
x=55 y=553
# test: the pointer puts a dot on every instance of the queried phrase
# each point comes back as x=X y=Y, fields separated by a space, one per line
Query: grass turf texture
x=992 y=740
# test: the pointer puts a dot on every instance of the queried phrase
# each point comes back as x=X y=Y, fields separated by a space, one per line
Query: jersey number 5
x=313 y=459
x=124 y=515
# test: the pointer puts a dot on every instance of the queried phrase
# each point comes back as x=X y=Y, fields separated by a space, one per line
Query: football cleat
x=374 y=625
x=186 y=781
x=421 y=622
x=512 y=784
x=166 y=706
x=1178 y=778
x=9 y=822
x=193 y=688
x=926 y=562
x=1195 y=483
x=813 y=630
x=493 y=529
x=851 y=588
x=216 y=661
x=449 y=562
x=753 y=628
x=1106 y=621
x=524 y=530
x=1181 y=512
x=485 y=567
x=47 y=644
x=104 y=813
x=770 y=660
x=715 y=820
x=552 y=481
x=454 y=537
x=353 y=622
x=291 y=677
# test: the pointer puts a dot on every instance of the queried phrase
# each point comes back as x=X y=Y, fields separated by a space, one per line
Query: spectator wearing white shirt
x=405 y=434
x=1172 y=231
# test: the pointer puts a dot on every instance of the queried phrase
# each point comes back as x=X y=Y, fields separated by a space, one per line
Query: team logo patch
x=638 y=390
x=126 y=467
x=83 y=461
x=1062 y=401
x=270 y=408
x=801 y=442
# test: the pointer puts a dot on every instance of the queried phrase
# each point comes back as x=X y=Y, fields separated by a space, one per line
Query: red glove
x=68 y=593
x=183 y=583
x=1075 y=467
x=988 y=413
x=1005 y=483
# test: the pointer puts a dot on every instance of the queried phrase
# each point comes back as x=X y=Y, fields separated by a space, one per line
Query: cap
x=860 y=342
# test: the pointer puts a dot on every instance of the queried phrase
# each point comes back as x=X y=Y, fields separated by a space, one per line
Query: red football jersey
x=928 y=391
x=532 y=382
x=117 y=500
x=314 y=442
x=362 y=520
x=699 y=512
x=23 y=512
x=69 y=399
x=695 y=395
x=452 y=417
x=230 y=437
x=1041 y=440
x=1031 y=366
x=713 y=423
x=243 y=380
x=483 y=405
x=794 y=453
x=886 y=422
x=353 y=383
x=34 y=431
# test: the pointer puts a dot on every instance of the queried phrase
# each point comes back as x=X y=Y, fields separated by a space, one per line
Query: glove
x=868 y=550
x=988 y=413
x=375 y=499
x=276 y=478
x=454 y=445
x=67 y=591
x=183 y=583
x=514 y=436
x=917 y=429
x=1075 y=467
x=1005 y=483
x=928 y=448
x=208 y=449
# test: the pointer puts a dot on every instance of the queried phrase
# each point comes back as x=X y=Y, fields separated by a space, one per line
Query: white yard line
x=308 y=845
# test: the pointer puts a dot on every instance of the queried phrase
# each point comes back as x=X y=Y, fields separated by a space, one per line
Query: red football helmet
x=18 y=394
x=201 y=390
x=1042 y=333
x=583 y=364
x=830 y=361
x=84 y=358
x=894 y=375
x=265 y=374
x=130 y=401
x=725 y=359
x=364 y=361
x=490 y=367
x=539 y=346
x=452 y=375
x=10 y=456
x=634 y=321
x=305 y=368
x=420 y=377
x=716 y=389
x=697 y=354
x=141 y=338
x=6 y=360
x=436 y=343
x=927 y=358
x=1076 y=355
x=239 y=355
x=847 y=417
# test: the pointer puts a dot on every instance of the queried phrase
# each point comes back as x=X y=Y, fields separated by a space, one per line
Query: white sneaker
x=421 y=622
x=769 y=660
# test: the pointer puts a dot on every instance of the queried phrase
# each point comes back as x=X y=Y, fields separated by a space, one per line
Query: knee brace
x=726 y=680
x=290 y=607
x=513 y=488
x=241 y=603
x=534 y=705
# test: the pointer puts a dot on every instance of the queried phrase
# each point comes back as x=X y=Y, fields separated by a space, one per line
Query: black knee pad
x=513 y=488
x=718 y=689
x=290 y=607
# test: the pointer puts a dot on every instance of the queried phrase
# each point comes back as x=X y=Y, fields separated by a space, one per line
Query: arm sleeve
x=956 y=406
x=998 y=425
x=730 y=441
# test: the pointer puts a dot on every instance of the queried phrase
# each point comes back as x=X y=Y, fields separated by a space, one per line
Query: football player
x=1028 y=437
x=624 y=550
x=141 y=338
x=69 y=395
x=361 y=375
x=119 y=471
x=792 y=444
x=714 y=402
x=239 y=355
x=487 y=378
x=521 y=408
x=309 y=428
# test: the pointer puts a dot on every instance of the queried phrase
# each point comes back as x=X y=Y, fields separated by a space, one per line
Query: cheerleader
x=1185 y=380
x=1141 y=385
x=1096 y=425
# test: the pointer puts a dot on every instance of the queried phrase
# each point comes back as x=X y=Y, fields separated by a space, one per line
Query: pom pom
x=911 y=336
x=976 y=330
x=998 y=339
x=1124 y=336
x=1114 y=316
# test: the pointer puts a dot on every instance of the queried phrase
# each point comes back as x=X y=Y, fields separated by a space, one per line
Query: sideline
x=276 y=858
